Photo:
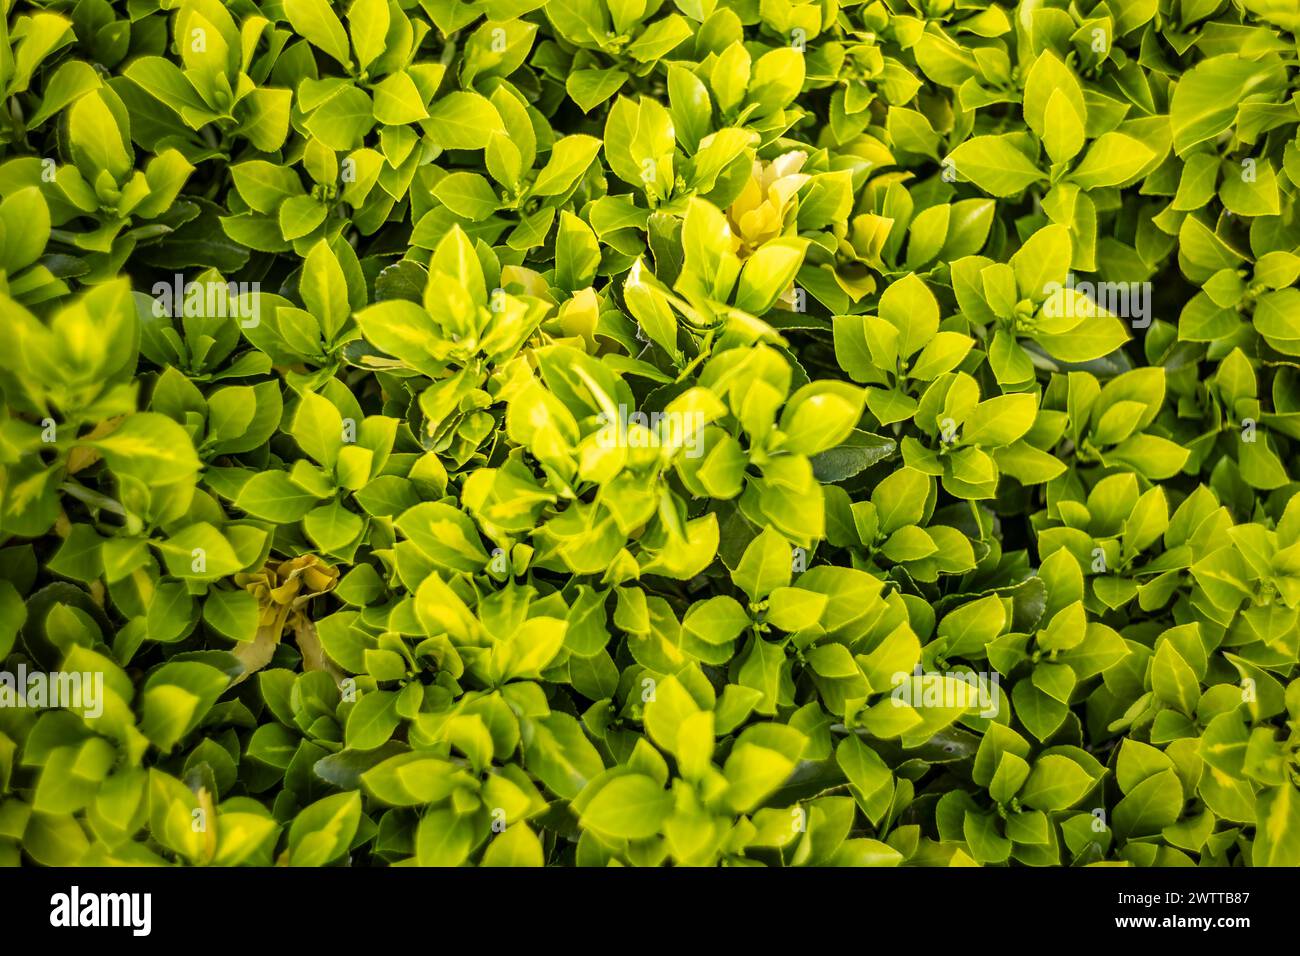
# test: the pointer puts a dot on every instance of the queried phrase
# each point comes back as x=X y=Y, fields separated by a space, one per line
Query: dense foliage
x=643 y=432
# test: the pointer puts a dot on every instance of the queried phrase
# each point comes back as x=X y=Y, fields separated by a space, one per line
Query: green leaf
x=999 y=421
x=322 y=832
x=447 y=536
x=1111 y=161
x=467 y=194
x=1055 y=783
x=765 y=565
x=317 y=425
x=570 y=157
x=343 y=120
x=315 y=20
x=630 y=807
x=1151 y=805
x=324 y=291
x=372 y=720
x=995 y=165
x=1206 y=97
x=1277 y=828
x=463 y=121
x=149 y=447
x=911 y=308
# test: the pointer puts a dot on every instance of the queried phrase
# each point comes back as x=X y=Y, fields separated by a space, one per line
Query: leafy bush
x=583 y=432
